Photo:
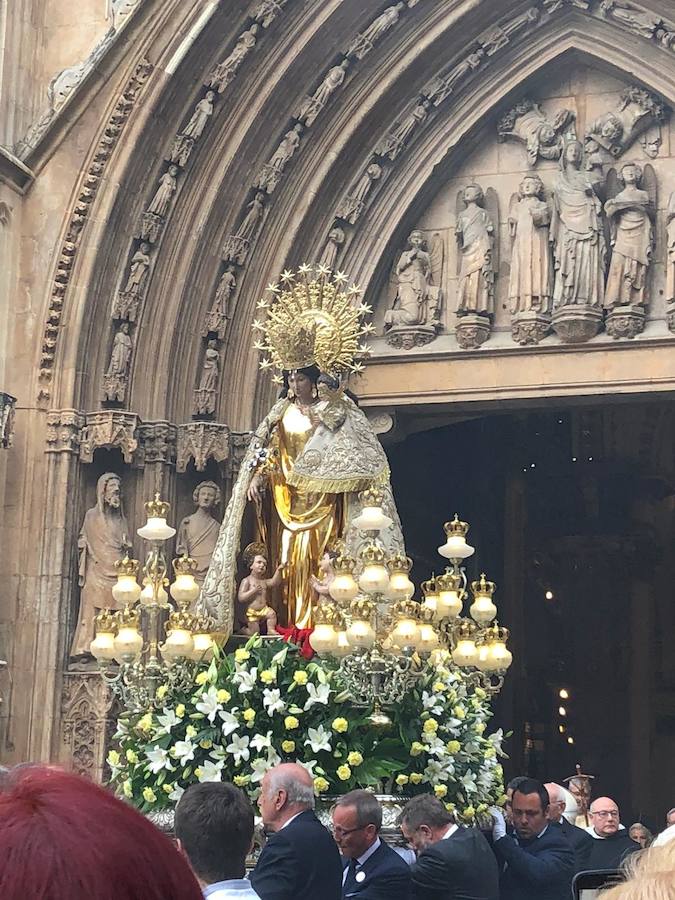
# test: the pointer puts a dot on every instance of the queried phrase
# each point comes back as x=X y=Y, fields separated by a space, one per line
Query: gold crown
x=372 y=496
x=483 y=587
x=456 y=527
x=180 y=619
x=106 y=622
x=326 y=614
x=371 y=554
x=430 y=586
x=157 y=509
x=361 y=608
x=466 y=630
x=344 y=565
x=126 y=566
x=449 y=582
x=405 y=609
x=312 y=320
x=185 y=565
x=128 y=618
x=399 y=563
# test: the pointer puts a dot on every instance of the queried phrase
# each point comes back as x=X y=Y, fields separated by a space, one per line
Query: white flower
x=318 y=739
x=246 y=680
x=468 y=781
x=496 y=738
x=318 y=694
x=210 y=771
x=167 y=721
x=122 y=729
x=272 y=701
x=230 y=722
x=239 y=748
x=280 y=658
x=218 y=753
x=432 y=703
x=259 y=766
x=209 y=704
x=435 y=772
x=184 y=751
x=309 y=765
x=435 y=746
x=176 y=793
x=158 y=759
x=261 y=742
x=273 y=757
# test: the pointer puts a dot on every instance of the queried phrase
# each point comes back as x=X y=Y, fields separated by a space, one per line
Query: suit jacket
x=580 y=841
x=300 y=862
x=541 y=869
x=461 y=867
x=387 y=877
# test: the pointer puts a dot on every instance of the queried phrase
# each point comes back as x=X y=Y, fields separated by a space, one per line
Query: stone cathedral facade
x=499 y=178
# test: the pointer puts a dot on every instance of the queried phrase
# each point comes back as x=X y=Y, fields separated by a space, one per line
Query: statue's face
x=206 y=498
x=112 y=494
x=326 y=563
x=629 y=175
x=473 y=195
x=611 y=128
x=416 y=239
x=301 y=385
x=547 y=135
x=529 y=187
x=258 y=566
x=573 y=154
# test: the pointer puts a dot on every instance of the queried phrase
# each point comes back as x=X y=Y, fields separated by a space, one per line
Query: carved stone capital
x=86 y=710
x=109 y=428
x=235 y=249
x=472 y=331
x=529 y=327
x=239 y=441
x=625 y=321
x=576 y=324
x=157 y=443
x=151 y=227
x=201 y=441
x=405 y=337
x=64 y=429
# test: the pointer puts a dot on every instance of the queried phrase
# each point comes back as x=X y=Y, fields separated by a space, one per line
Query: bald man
x=580 y=841
x=612 y=843
x=300 y=860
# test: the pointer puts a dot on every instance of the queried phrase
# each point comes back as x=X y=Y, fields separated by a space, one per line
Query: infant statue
x=254 y=592
x=322 y=585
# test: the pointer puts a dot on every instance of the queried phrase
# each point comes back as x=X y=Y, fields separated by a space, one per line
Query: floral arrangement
x=265 y=704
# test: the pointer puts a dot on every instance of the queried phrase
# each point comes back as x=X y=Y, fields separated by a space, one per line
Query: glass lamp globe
x=428 y=638
x=148 y=596
x=372 y=518
x=178 y=643
x=185 y=589
x=342 y=647
x=482 y=609
x=406 y=633
x=455 y=546
x=323 y=640
x=500 y=657
x=128 y=644
x=156 y=528
x=483 y=661
x=449 y=603
x=374 y=578
x=126 y=590
x=343 y=588
x=465 y=653
x=103 y=645
x=202 y=648
x=360 y=634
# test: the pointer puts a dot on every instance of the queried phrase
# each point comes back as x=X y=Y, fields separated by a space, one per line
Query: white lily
x=209 y=704
x=261 y=742
x=230 y=722
x=184 y=751
x=218 y=753
x=272 y=701
x=245 y=679
x=318 y=739
x=432 y=703
x=309 y=765
x=158 y=759
x=176 y=793
x=239 y=748
x=468 y=780
x=318 y=694
x=167 y=721
x=259 y=767
x=211 y=771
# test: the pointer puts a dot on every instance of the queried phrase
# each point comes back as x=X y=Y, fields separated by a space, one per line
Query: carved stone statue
x=578 y=241
x=527 y=122
x=499 y=36
x=200 y=117
x=616 y=130
x=117 y=375
x=217 y=317
x=103 y=540
x=336 y=238
x=416 y=310
x=364 y=42
x=198 y=533
x=205 y=395
x=351 y=206
x=392 y=143
x=271 y=173
x=254 y=601
x=312 y=106
x=630 y=16
x=159 y=205
x=128 y=299
x=531 y=279
x=267 y=10
x=670 y=262
x=225 y=71
x=237 y=245
x=440 y=88
x=630 y=213
x=475 y=238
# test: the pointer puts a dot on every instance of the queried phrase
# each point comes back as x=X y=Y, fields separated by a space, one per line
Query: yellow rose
x=490 y=753
x=223 y=696
x=249 y=715
x=149 y=795
x=479 y=727
x=344 y=773
x=300 y=677
x=416 y=777
x=440 y=790
x=430 y=726
x=190 y=731
x=453 y=747
x=469 y=812
x=438 y=688
x=132 y=756
x=291 y=722
x=340 y=725
x=267 y=676
x=288 y=746
x=241 y=780
x=145 y=723
x=320 y=784
x=162 y=691
x=167 y=788
x=481 y=808
x=416 y=748
x=198 y=771
x=126 y=789
x=202 y=678
x=480 y=693
x=459 y=712
x=450 y=807
x=206 y=744
x=354 y=758
x=113 y=758
x=241 y=655
x=180 y=710
x=402 y=780
x=502 y=800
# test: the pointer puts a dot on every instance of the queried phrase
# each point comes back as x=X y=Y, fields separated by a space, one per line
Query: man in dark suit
x=372 y=870
x=300 y=860
x=580 y=841
x=453 y=863
x=537 y=861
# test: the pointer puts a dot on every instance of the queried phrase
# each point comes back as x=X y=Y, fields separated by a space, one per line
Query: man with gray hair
x=373 y=871
x=300 y=860
x=579 y=840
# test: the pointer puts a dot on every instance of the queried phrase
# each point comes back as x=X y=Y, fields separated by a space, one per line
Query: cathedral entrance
x=572 y=511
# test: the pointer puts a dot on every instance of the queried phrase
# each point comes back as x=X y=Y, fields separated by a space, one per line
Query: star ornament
x=273 y=287
x=322 y=270
x=305 y=269
x=287 y=276
x=340 y=278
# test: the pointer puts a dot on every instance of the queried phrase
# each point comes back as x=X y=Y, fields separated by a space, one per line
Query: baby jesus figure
x=322 y=585
x=254 y=592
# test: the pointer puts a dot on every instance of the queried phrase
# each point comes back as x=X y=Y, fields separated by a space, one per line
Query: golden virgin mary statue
x=311 y=455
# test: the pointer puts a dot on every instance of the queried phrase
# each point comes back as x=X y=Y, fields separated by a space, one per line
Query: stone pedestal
x=405 y=337
x=625 y=321
x=577 y=324
x=472 y=331
x=530 y=327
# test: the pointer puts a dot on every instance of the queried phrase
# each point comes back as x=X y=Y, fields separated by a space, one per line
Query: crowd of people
x=64 y=838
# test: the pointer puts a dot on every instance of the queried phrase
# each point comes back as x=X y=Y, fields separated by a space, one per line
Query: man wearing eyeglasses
x=612 y=843
x=372 y=870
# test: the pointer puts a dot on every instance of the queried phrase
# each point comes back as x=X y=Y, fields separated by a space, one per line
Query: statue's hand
x=255 y=489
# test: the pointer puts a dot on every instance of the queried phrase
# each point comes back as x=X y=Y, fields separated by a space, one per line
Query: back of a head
x=64 y=838
x=651 y=876
x=367 y=806
x=515 y=782
x=214 y=823
x=425 y=809
x=296 y=781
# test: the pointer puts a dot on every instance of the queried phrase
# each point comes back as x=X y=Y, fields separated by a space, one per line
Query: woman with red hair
x=64 y=838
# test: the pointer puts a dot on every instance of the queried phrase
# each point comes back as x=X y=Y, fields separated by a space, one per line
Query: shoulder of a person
x=389 y=857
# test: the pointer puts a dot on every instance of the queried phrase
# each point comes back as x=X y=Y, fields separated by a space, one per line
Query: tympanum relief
x=414 y=318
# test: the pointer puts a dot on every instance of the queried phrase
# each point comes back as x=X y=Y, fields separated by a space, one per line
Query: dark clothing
x=580 y=841
x=610 y=852
x=540 y=869
x=300 y=862
x=386 y=877
x=461 y=867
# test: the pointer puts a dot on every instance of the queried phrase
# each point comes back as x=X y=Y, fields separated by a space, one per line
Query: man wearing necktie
x=372 y=870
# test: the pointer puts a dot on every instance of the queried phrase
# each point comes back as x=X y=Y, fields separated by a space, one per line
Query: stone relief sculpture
x=363 y=43
x=531 y=278
x=528 y=123
x=267 y=11
x=237 y=245
x=217 y=317
x=200 y=442
x=670 y=262
x=128 y=300
x=394 y=142
x=225 y=71
x=475 y=230
x=271 y=173
x=335 y=240
x=205 y=394
x=651 y=141
x=352 y=204
x=579 y=250
x=616 y=130
x=103 y=540
x=185 y=141
x=629 y=15
x=116 y=378
x=499 y=36
x=312 y=106
x=154 y=216
x=552 y=6
x=198 y=532
x=414 y=318
x=630 y=213
x=439 y=88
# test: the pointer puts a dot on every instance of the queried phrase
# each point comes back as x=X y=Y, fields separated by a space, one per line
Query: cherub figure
x=322 y=585
x=254 y=592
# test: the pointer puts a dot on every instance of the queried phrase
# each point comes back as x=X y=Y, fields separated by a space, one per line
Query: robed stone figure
x=198 y=533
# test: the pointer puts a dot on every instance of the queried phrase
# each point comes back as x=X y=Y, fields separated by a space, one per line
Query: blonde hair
x=651 y=876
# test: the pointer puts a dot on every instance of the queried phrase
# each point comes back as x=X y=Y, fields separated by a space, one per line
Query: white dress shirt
x=232 y=889
x=361 y=860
